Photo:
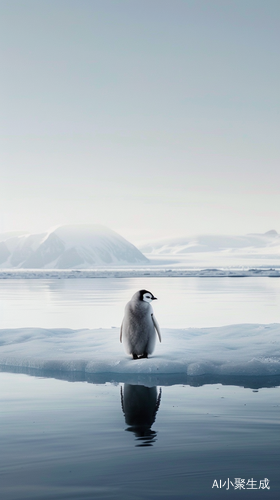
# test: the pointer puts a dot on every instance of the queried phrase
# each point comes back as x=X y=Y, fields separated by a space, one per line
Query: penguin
x=139 y=326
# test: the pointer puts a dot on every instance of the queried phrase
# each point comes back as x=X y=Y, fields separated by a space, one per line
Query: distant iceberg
x=231 y=351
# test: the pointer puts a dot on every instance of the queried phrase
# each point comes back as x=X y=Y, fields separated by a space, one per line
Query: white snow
x=215 y=250
x=80 y=246
x=212 y=243
x=248 y=349
x=139 y=271
x=89 y=246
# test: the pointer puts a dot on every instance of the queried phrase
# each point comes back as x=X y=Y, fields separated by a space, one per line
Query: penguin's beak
x=154 y=298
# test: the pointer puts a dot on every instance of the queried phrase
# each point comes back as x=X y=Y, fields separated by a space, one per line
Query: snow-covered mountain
x=71 y=246
x=212 y=243
x=215 y=250
x=91 y=246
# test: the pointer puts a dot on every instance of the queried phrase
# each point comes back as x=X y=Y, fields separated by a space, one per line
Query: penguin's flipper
x=156 y=325
x=121 y=333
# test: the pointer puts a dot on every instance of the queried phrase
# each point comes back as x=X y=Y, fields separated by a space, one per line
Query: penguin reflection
x=140 y=405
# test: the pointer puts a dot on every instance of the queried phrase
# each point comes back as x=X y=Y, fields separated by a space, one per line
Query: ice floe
x=235 y=350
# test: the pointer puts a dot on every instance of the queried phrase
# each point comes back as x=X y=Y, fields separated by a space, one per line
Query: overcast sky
x=153 y=117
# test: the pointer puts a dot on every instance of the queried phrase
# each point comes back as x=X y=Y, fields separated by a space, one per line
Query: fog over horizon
x=153 y=118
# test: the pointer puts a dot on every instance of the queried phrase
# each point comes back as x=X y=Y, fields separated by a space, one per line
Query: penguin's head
x=146 y=296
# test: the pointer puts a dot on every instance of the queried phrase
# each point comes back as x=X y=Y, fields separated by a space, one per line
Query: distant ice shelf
x=273 y=272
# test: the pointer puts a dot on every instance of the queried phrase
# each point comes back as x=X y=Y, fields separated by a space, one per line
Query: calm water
x=63 y=440
x=99 y=303
x=82 y=441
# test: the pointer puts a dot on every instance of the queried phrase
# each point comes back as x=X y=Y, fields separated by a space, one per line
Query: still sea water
x=99 y=303
x=82 y=441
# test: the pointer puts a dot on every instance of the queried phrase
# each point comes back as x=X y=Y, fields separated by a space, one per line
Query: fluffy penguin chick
x=139 y=326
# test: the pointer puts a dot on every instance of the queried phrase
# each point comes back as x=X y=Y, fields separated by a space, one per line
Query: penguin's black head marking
x=146 y=296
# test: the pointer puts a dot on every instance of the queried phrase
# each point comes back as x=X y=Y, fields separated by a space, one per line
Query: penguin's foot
x=144 y=355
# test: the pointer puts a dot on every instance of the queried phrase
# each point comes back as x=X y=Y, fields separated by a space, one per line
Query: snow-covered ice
x=151 y=272
x=236 y=350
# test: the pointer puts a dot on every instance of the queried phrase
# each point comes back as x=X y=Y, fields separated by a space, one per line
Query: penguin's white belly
x=139 y=335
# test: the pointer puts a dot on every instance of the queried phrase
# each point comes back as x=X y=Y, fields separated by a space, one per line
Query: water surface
x=99 y=303
x=62 y=440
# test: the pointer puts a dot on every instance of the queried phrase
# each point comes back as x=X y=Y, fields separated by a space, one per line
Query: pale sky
x=156 y=118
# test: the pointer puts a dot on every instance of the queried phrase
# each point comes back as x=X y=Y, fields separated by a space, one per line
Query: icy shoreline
x=249 y=350
x=140 y=272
